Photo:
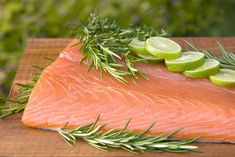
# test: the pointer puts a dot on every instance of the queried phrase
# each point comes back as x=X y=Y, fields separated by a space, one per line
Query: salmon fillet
x=65 y=93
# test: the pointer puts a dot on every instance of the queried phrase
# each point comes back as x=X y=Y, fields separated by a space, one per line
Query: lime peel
x=188 y=61
x=137 y=47
x=210 y=67
x=226 y=77
x=150 y=58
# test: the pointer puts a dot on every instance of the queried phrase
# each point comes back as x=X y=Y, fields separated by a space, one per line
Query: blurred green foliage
x=22 y=19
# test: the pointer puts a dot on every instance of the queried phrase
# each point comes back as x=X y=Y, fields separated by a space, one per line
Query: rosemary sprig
x=125 y=139
x=22 y=97
x=226 y=59
x=105 y=45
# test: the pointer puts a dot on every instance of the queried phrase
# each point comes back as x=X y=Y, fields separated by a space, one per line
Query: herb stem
x=125 y=139
x=104 y=40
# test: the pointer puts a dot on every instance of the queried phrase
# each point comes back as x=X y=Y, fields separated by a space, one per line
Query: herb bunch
x=125 y=139
x=226 y=59
x=105 y=45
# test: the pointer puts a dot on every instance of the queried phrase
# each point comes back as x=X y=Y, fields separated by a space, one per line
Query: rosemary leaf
x=18 y=105
x=21 y=99
x=125 y=139
x=105 y=44
x=226 y=59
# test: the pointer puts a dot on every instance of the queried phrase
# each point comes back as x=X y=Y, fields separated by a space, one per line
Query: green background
x=22 y=19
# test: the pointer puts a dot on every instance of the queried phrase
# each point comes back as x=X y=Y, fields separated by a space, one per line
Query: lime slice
x=210 y=67
x=225 y=77
x=137 y=47
x=163 y=47
x=188 y=61
x=150 y=58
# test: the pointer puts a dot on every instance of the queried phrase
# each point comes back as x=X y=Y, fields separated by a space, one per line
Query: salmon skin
x=65 y=92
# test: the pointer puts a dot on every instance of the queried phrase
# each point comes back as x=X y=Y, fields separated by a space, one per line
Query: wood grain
x=19 y=140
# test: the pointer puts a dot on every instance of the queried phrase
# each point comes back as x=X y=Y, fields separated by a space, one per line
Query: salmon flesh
x=66 y=92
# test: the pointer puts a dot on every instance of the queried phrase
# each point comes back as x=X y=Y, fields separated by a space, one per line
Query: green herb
x=105 y=45
x=22 y=97
x=125 y=139
x=226 y=59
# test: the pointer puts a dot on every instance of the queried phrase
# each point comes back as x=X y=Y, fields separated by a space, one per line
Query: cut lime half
x=137 y=47
x=187 y=61
x=163 y=47
x=225 y=77
x=210 y=67
x=150 y=58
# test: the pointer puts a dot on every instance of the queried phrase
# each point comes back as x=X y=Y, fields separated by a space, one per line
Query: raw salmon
x=65 y=93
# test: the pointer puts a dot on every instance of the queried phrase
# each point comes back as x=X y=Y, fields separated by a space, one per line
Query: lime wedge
x=210 y=67
x=163 y=47
x=137 y=47
x=225 y=77
x=187 y=61
x=150 y=58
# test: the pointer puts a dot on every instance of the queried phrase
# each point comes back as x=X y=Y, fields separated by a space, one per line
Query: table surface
x=19 y=140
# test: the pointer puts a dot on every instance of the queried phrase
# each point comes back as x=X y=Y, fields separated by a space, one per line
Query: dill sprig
x=125 y=139
x=226 y=59
x=105 y=45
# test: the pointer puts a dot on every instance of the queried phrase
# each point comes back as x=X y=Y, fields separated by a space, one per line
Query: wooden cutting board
x=19 y=140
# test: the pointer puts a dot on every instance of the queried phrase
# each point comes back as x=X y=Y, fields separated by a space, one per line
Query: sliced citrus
x=226 y=77
x=210 y=67
x=187 y=61
x=163 y=47
x=150 y=58
x=137 y=47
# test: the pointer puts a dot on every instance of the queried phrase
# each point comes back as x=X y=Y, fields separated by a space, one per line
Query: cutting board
x=19 y=140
